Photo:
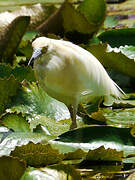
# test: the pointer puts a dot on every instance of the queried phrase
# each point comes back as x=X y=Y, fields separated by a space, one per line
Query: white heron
x=71 y=74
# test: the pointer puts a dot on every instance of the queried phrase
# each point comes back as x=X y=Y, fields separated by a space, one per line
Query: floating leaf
x=110 y=21
x=116 y=117
x=38 y=154
x=128 y=51
x=39 y=108
x=15 y=122
x=11 y=168
x=18 y=139
x=93 y=137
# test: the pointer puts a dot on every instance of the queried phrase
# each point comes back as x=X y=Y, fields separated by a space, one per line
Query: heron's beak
x=35 y=55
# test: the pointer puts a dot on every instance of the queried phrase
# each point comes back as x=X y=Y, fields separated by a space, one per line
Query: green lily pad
x=25 y=46
x=15 y=122
x=39 y=108
x=8 y=89
x=77 y=23
x=118 y=37
x=93 y=137
x=110 y=21
x=20 y=73
x=86 y=20
x=93 y=10
x=23 y=72
x=128 y=51
x=18 y=139
x=116 y=117
x=114 y=59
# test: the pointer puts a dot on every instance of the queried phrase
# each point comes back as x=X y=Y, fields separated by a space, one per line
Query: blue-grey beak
x=35 y=55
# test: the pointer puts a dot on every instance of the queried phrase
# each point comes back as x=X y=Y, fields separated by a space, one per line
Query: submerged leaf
x=102 y=154
x=78 y=154
x=11 y=168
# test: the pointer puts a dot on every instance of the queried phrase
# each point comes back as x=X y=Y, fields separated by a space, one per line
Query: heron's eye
x=44 y=50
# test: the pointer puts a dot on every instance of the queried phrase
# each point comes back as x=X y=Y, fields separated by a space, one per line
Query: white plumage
x=71 y=74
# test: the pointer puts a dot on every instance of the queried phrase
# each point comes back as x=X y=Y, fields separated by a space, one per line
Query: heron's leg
x=73 y=111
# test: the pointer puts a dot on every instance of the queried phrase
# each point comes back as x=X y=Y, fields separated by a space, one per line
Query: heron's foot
x=73 y=126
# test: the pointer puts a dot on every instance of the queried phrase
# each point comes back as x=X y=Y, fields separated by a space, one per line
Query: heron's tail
x=116 y=93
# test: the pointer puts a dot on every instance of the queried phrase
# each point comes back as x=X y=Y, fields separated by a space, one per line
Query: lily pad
x=8 y=89
x=20 y=73
x=113 y=59
x=118 y=37
x=18 y=139
x=25 y=46
x=117 y=117
x=86 y=20
x=110 y=21
x=93 y=10
x=39 y=108
x=24 y=73
x=93 y=137
x=15 y=122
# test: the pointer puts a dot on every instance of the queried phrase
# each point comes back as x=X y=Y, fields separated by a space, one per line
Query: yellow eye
x=44 y=49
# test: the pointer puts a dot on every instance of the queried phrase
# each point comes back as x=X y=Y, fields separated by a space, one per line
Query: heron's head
x=40 y=46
